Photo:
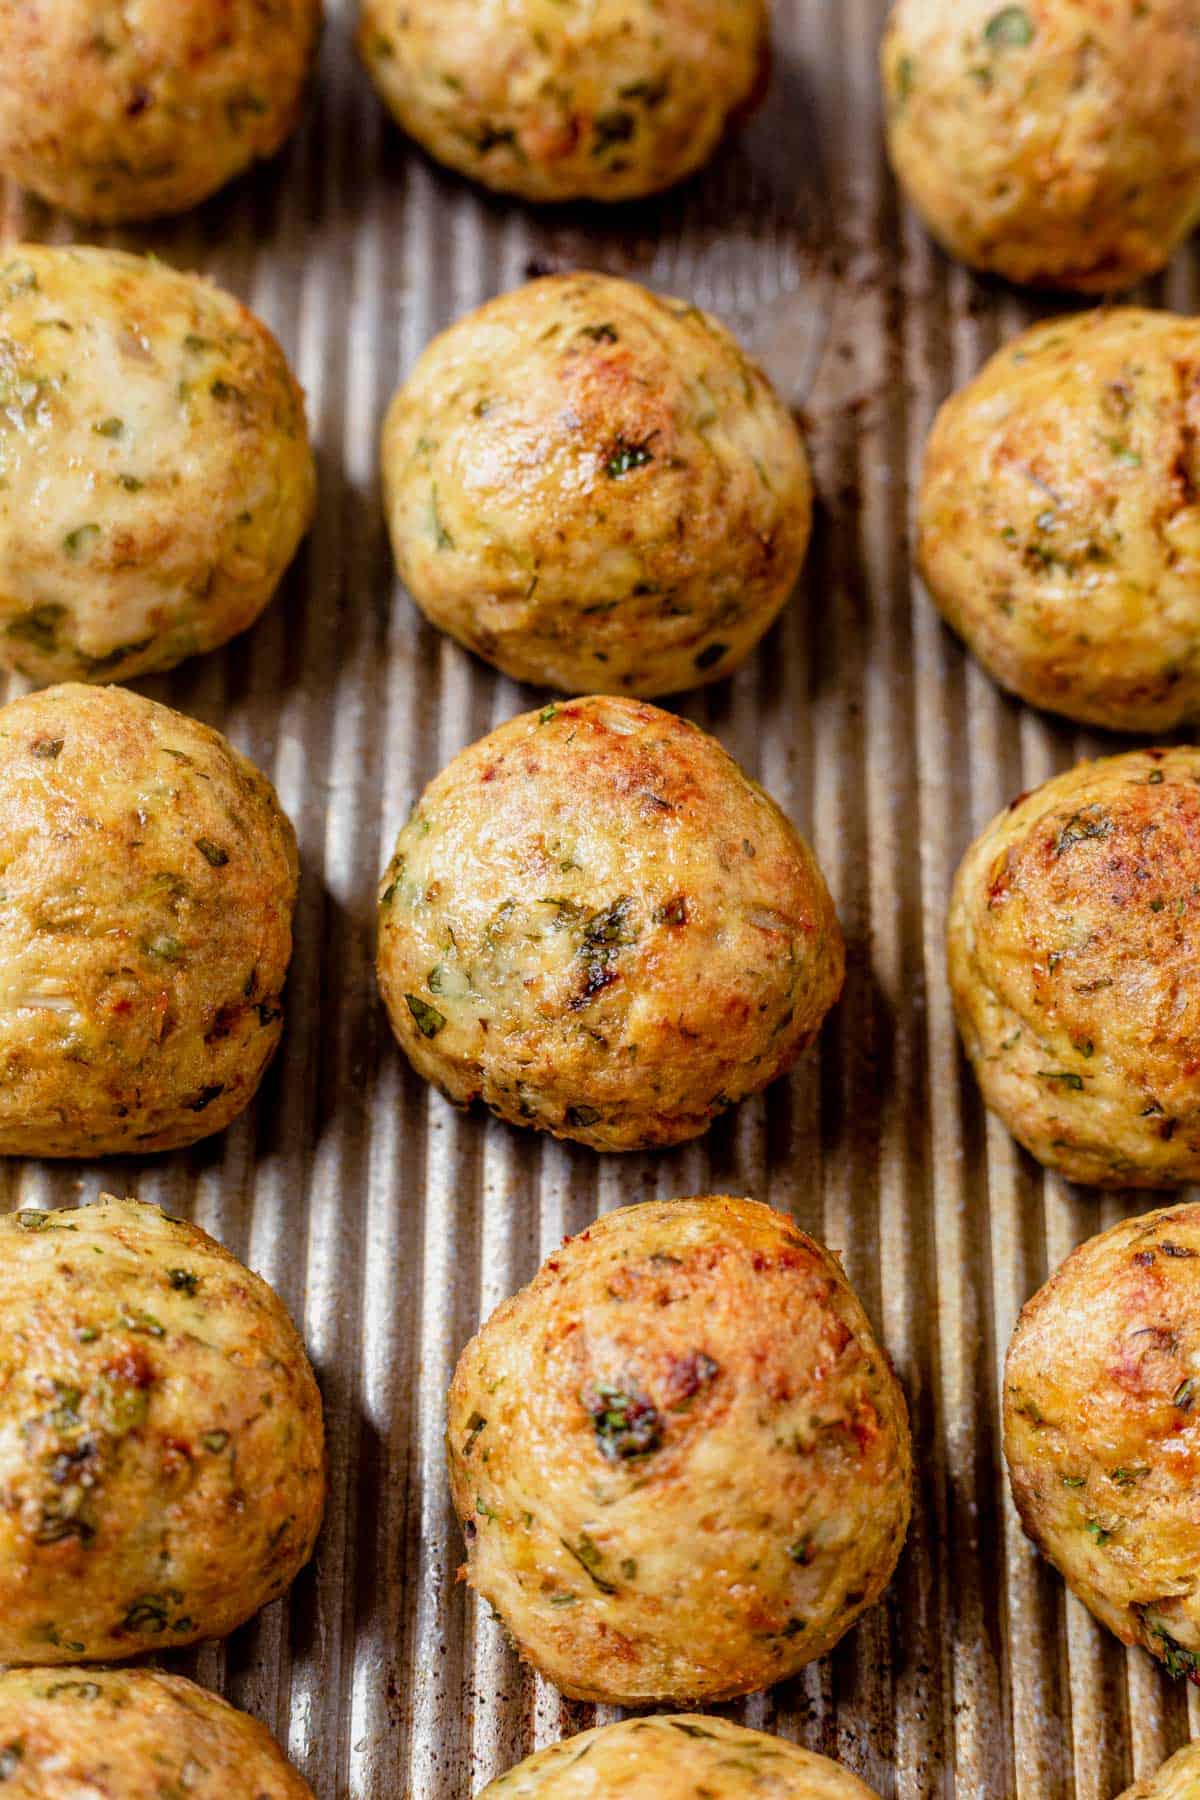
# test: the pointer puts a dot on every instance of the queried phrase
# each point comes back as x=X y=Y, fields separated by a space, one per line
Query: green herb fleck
x=212 y=853
x=626 y=455
x=81 y=539
x=183 y=1280
x=1012 y=25
x=626 y=1423
x=429 y=1020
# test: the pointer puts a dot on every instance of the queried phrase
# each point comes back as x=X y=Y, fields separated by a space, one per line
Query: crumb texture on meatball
x=161 y=1437
x=592 y=486
x=605 y=100
x=680 y=1458
x=1102 y=1430
x=1055 y=142
x=134 y=1734
x=596 y=924
x=1059 y=517
x=148 y=882
x=676 y=1758
x=1071 y=950
x=155 y=470
x=118 y=111
x=1178 y=1779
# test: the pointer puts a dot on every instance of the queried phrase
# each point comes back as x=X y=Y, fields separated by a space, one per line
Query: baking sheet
x=389 y=1223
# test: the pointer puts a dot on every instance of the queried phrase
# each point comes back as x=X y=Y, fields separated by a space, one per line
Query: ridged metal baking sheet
x=389 y=1223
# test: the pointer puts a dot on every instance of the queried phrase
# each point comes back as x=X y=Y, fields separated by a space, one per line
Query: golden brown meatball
x=119 y=110
x=1055 y=142
x=680 y=1458
x=134 y=1734
x=148 y=880
x=1071 y=945
x=676 y=1759
x=1102 y=1429
x=596 y=924
x=1060 y=517
x=155 y=471
x=590 y=485
x=607 y=101
x=1178 y=1779
x=161 y=1443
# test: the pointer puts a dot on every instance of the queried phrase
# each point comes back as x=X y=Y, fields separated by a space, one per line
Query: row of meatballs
x=1052 y=142
x=589 y=485
x=679 y=1457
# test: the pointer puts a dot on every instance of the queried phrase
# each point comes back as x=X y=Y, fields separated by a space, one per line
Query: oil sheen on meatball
x=155 y=471
x=1071 y=950
x=1055 y=142
x=604 y=101
x=596 y=924
x=592 y=486
x=1060 y=517
x=128 y=109
x=67 y=1734
x=676 y=1758
x=1102 y=1431
x=679 y=1456
x=149 y=878
x=161 y=1439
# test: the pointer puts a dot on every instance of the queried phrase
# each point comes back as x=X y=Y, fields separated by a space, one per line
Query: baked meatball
x=126 y=111
x=71 y=1734
x=161 y=1444
x=155 y=472
x=1178 y=1779
x=1102 y=1429
x=596 y=924
x=607 y=101
x=1071 y=945
x=1056 y=142
x=590 y=485
x=676 y=1759
x=680 y=1458
x=148 y=881
x=1060 y=517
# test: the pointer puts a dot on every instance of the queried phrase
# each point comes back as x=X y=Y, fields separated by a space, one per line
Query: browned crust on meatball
x=161 y=1438
x=680 y=1458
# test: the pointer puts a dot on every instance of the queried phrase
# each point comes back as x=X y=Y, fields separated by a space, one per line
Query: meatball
x=149 y=878
x=1060 y=518
x=610 y=101
x=596 y=924
x=155 y=471
x=161 y=1442
x=70 y=1733
x=1056 y=142
x=1071 y=950
x=1178 y=1779
x=588 y=484
x=117 y=111
x=676 y=1759
x=1102 y=1429
x=680 y=1459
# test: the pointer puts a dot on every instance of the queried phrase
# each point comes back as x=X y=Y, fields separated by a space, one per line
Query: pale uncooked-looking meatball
x=161 y=1441
x=680 y=1458
x=127 y=109
x=592 y=487
x=155 y=470
x=134 y=1734
x=606 y=100
x=595 y=923
x=1072 y=962
x=1178 y=1779
x=1060 y=517
x=148 y=881
x=1102 y=1429
x=676 y=1758
x=1055 y=142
